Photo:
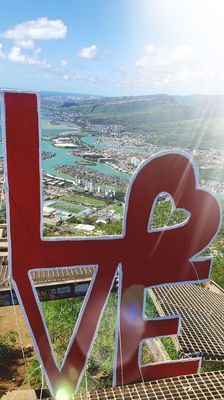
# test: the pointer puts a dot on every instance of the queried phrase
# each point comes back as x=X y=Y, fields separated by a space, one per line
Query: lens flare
x=63 y=394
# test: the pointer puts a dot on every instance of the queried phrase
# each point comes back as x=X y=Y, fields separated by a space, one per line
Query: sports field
x=71 y=208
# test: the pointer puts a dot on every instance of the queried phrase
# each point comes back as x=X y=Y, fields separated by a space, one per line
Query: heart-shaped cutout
x=164 y=214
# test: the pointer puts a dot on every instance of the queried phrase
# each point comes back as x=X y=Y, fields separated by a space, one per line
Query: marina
x=63 y=157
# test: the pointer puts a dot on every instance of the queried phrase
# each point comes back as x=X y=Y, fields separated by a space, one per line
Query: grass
x=67 y=207
x=150 y=309
x=151 y=312
x=146 y=356
x=110 y=228
x=217 y=249
x=218 y=270
x=212 y=366
x=164 y=216
x=117 y=208
x=170 y=348
x=84 y=200
x=61 y=316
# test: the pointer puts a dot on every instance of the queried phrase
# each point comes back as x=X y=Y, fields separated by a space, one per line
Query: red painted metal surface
x=146 y=258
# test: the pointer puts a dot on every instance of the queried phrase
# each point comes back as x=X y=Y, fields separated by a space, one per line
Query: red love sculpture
x=143 y=257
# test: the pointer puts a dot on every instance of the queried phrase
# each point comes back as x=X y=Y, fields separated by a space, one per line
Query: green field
x=84 y=200
x=75 y=209
x=117 y=208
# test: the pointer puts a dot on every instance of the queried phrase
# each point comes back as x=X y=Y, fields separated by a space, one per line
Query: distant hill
x=157 y=108
x=167 y=120
x=185 y=121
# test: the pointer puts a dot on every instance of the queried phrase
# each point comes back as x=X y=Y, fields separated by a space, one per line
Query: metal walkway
x=202 y=318
x=209 y=386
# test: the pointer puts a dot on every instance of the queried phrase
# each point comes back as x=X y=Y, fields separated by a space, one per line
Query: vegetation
x=170 y=348
x=10 y=359
x=118 y=208
x=50 y=231
x=150 y=309
x=182 y=121
x=8 y=341
x=84 y=200
x=71 y=208
x=146 y=356
x=217 y=249
x=120 y=195
x=212 y=366
x=61 y=316
x=110 y=228
x=218 y=264
x=164 y=215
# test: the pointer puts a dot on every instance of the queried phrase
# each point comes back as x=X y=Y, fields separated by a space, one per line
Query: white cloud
x=25 y=44
x=180 y=69
x=24 y=36
x=63 y=63
x=15 y=55
x=165 y=58
x=76 y=76
x=2 y=54
x=170 y=69
x=88 y=52
x=39 y=29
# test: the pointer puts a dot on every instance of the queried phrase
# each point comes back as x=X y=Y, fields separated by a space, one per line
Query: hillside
x=167 y=120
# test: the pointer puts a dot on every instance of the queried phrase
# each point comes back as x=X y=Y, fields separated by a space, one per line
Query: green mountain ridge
x=184 y=121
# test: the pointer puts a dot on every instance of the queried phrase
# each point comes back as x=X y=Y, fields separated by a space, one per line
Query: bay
x=90 y=141
x=62 y=157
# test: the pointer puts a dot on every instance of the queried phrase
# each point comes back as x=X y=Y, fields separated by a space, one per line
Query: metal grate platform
x=62 y=275
x=207 y=386
x=194 y=387
x=50 y=284
x=46 y=277
x=202 y=322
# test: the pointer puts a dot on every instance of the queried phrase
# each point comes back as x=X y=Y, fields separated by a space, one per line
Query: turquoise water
x=64 y=158
x=90 y=141
x=62 y=214
x=52 y=132
x=61 y=158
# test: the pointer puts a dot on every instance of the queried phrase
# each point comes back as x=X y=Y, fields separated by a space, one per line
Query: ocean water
x=90 y=141
x=62 y=157
x=52 y=132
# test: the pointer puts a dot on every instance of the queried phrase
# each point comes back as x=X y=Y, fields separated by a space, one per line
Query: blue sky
x=113 y=47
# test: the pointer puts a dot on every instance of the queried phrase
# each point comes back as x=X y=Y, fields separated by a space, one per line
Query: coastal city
x=87 y=167
x=112 y=200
